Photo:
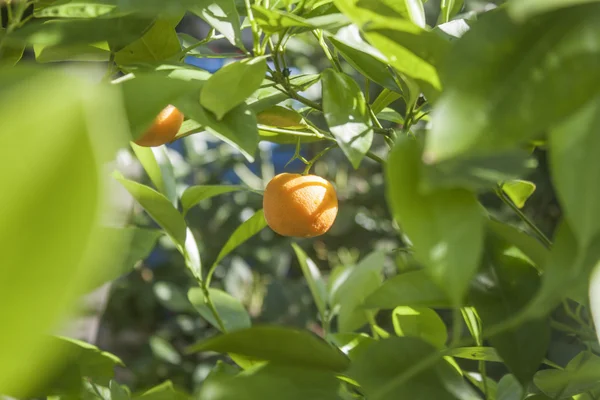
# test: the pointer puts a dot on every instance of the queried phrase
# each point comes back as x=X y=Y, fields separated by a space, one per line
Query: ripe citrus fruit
x=163 y=129
x=300 y=205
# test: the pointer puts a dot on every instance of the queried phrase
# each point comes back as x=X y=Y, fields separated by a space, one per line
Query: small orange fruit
x=300 y=205
x=163 y=129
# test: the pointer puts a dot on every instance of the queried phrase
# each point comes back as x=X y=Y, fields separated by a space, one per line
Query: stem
x=375 y=157
x=315 y=158
x=319 y=35
x=255 y=29
x=295 y=133
x=211 y=306
x=541 y=236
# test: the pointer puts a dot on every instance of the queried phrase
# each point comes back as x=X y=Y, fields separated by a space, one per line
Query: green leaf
x=414 y=288
x=271 y=382
x=509 y=388
x=581 y=374
x=313 y=279
x=531 y=248
x=385 y=98
x=119 y=32
x=383 y=369
x=568 y=266
x=84 y=361
x=223 y=16
x=390 y=115
x=232 y=84
x=232 y=313
x=245 y=231
x=363 y=57
x=146 y=94
x=50 y=252
x=475 y=114
x=281 y=117
x=133 y=243
x=573 y=146
x=498 y=293
x=238 y=128
x=411 y=50
x=118 y=392
x=195 y=194
x=75 y=10
x=351 y=287
x=81 y=52
x=163 y=350
x=519 y=191
x=268 y=95
x=164 y=391
x=171 y=296
x=479 y=173
x=10 y=54
x=420 y=322
x=445 y=226
x=160 y=173
x=158 y=207
x=476 y=353
x=278 y=345
x=159 y=43
x=448 y=9
x=522 y=10
x=346 y=114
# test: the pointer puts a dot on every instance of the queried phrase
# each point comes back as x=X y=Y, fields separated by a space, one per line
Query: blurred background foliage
x=145 y=317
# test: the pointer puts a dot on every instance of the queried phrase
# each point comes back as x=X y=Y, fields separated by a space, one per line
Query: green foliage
x=460 y=137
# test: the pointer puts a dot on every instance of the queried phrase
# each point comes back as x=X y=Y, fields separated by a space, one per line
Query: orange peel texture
x=163 y=129
x=300 y=205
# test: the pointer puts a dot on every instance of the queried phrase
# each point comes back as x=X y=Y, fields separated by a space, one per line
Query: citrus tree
x=462 y=107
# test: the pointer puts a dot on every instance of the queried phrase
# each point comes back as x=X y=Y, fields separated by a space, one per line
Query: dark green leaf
x=313 y=279
x=573 y=147
x=159 y=43
x=420 y=322
x=476 y=353
x=346 y=115
x=383 y=369
x=480 y=173
x=80 y=52
x=223 y=16
x=568 y=266
x=501 y=291
x=521 y=10
x=350 y=287
x=363 y=57
x=273 y=382
x=232 y=313
x=445 y=226
x=414 y=288
x=195 y=194
x=118 y=392
x=159 y=208
x=10 y=54
x=232 y=84
x=509 y=388
x=528 y=245
x=581 y=374
x=278 y=344
x=75 y=10
x=547 y=60
x=245 y=231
